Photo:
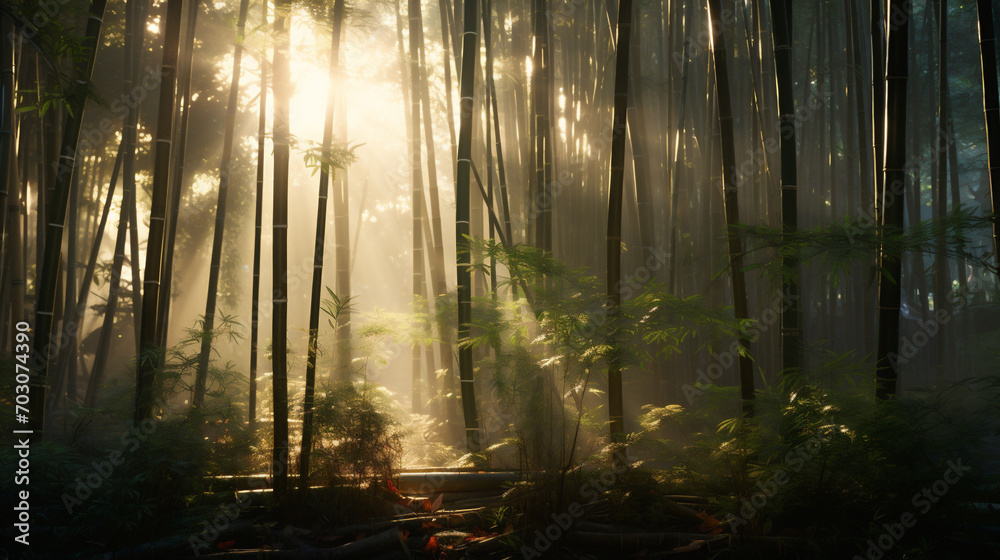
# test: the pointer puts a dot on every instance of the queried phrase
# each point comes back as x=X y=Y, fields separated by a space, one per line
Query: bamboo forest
x=500 y=279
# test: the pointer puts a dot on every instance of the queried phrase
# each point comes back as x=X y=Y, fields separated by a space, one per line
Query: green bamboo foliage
x=56 y=217
x=470 y=48
x=729 y=178
x=225 y=171
x=791 y=334
x=991 y=107
x=279 y=320
x=319 y=248
x=616 y=414
x=894 y=175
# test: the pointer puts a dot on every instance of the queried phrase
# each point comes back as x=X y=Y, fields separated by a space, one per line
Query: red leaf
x=392 y=487
x=226 y=545
x=437 y=503
x=694 y=545
x=710 y=524
x=432 y=544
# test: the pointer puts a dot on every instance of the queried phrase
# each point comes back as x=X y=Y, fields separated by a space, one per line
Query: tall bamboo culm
x=150 y=356
x=616 y=415
x=894 y=176
x=463 y=176
x=279 y=318
x=731 y=197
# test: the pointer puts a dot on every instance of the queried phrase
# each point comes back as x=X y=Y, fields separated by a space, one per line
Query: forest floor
x=477 y=515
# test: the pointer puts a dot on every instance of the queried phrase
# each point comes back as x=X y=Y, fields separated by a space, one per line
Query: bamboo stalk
x=470 y=46
x=318 y=248
x=894 y=177
x=150 y=358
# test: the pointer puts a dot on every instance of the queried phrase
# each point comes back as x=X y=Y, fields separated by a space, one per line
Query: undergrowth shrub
x=821 y=459
x=357 y=439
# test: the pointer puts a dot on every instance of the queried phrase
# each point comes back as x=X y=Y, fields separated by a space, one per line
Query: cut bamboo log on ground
x=628 y=540
x=440 y=481
x=454 y=512
x=389 y=543
x=448 y=521
x=450 y=497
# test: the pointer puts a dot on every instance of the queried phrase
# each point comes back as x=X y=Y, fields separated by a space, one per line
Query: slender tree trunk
x=7 y=136
x=279 y=324
x=447 y=58
x=616 y=413
x=258 y=229
x=225 y=172
x=501 y=172
x=637 y=136
x=66 y=362
x=991 y=106
x=111 y=309
x=542 y=201
x=942 y=284
x=417 y=194
x=10 y=193
x=55 y=218
x=14 y=254
x=894 y=177
x=342 y=249
x=177 y=175
x=878 y=52
x=95 y=249
x=319 y=248
x=731 y=197
x=470 y=48
x=680 y=147
x=436 y=253
x=791 y=335
x=150 y=357
x=135 y=18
